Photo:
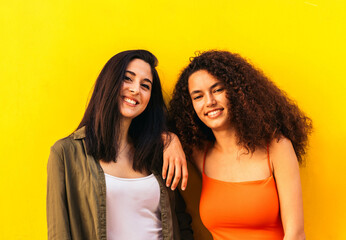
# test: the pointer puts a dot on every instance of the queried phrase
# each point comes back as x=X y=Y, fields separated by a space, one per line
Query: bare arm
x=286 y=172
x=174 y=161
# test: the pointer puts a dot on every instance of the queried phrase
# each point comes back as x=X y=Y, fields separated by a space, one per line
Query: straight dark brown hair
x=102 y=116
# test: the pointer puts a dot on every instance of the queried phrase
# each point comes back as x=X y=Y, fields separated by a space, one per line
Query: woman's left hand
x=174 y=162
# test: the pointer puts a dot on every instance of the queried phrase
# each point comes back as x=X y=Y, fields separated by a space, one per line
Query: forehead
x=140 y=68
x=201 y=80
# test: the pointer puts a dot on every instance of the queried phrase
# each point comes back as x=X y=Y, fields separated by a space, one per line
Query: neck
x=226 y=140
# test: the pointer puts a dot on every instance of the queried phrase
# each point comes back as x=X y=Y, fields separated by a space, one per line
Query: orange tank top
x=241 y=210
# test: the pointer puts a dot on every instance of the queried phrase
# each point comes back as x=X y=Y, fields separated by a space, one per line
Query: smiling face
x=136 y=89
x=209 y=100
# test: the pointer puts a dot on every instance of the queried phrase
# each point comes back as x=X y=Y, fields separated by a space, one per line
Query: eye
x=146 y=86
x=218 y=90
x=197 y=97
x=127 y=79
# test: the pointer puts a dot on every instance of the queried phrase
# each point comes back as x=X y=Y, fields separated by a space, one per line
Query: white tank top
x=133 y=208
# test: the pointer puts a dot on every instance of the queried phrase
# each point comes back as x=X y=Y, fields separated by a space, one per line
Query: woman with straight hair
x=246 y=137
x=104 y=180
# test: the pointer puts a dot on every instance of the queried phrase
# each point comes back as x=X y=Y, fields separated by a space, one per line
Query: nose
x=210 y=100
x=134 y=88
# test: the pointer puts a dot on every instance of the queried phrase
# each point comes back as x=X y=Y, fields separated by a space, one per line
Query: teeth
x=130 y=101
x=213 y=113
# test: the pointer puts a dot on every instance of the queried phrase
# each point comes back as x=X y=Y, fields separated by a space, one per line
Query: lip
x=214 y=113
x=124 y=98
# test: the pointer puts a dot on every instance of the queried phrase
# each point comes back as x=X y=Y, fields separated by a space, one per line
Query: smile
x=214 y=113
x=130 y=101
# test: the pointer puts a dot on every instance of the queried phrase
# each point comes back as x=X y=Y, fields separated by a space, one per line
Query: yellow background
x=52 y=51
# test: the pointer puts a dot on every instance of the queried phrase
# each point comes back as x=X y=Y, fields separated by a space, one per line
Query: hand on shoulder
x=174 y=166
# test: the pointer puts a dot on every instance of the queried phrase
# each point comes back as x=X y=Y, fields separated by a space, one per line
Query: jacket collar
x=79 y=133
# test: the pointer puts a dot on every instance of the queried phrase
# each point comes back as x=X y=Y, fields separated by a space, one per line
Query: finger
x=164 y=168
x=170 y=173
x=177 y=176
x=185 y=177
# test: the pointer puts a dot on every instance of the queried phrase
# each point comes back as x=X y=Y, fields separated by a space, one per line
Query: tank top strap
x=205 y=155
x=268 y=158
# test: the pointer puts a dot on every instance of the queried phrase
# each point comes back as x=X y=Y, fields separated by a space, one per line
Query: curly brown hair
x=260 y=111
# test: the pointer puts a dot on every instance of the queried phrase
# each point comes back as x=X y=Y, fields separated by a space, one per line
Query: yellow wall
x=52 y=51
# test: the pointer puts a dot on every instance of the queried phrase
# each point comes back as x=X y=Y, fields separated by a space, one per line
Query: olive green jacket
x=76 y=196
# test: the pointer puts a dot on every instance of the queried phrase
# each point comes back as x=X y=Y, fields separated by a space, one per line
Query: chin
x=128 y=115
x=217 y=125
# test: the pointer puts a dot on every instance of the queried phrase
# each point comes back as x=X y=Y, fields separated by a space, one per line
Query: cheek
x=197 y=106
x=124 y=85
x=147 y=96
x=224 y=99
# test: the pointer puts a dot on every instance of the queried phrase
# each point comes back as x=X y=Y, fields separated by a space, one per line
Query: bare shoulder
x=281 y=144
x=282 y=151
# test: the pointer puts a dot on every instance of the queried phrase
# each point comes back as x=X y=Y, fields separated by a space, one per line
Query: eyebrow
x=134 y=74
x=212 y=86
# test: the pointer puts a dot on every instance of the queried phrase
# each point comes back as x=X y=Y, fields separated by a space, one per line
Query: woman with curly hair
x=247 y=138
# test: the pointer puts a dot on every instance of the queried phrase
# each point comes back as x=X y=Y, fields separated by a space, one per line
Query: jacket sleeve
x=184 y=219
x=57 y=215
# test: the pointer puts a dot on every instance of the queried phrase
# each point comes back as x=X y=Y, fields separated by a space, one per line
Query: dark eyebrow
x=194 y=92
x=212 y=86
x=216 y=84
x=134 y=74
